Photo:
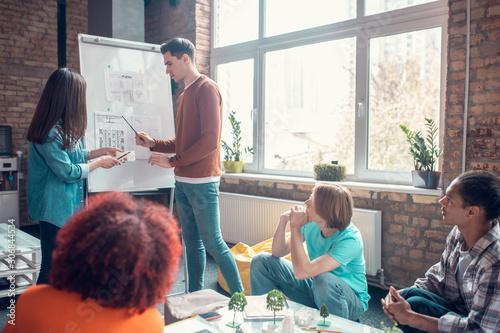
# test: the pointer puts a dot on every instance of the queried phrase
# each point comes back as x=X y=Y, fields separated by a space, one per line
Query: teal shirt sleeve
x=84 y=166
x=59 y=160
x=346 y=250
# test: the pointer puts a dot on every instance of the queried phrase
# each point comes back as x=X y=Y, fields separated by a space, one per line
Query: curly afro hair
x=121 y=252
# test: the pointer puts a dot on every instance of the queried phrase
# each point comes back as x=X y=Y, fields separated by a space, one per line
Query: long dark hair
x=62 y=98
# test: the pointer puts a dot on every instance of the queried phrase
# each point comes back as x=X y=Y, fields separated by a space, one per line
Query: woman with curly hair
x=114 y=261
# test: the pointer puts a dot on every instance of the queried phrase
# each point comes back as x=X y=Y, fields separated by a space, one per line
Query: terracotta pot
x=425 y=179
x=233 y=166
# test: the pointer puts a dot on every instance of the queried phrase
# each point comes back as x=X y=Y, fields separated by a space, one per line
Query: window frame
x=414 y=18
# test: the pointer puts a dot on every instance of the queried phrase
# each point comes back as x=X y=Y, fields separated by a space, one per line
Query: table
x=255 y=326
x=27 y=258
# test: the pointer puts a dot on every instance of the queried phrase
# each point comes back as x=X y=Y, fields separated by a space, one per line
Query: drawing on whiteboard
x=149 y=125
x=125 y=86
x=111 y=131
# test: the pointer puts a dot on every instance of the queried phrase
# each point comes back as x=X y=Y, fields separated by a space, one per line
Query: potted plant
x=234 y=152
x=425 y=153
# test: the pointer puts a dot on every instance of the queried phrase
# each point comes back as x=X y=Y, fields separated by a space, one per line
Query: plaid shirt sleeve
x=484 y=314
x=480 y=289
x=437 y=278
x=479 y=296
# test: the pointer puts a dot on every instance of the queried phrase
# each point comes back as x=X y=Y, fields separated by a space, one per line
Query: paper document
x=111 y=131
x=257 y=309
x=125 y=86
x=193 y=324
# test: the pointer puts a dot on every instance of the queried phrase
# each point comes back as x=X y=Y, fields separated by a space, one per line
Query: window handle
x=361 y=108
x=252 y=112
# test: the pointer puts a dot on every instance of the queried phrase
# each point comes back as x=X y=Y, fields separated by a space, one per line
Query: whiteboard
x=128 y=79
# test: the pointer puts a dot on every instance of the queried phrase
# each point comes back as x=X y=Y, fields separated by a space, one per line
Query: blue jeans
x=426 y=303
x=48 y=233
x=268 y=273
x=198 y=208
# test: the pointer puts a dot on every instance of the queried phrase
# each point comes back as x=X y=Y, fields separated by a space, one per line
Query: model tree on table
x=323 y=312
x=275 y=302
x=237 y=303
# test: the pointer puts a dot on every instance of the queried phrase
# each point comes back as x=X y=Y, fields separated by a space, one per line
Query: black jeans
x=48 y=233
x=426 y=303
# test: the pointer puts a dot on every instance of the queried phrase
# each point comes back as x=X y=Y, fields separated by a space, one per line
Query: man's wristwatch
x=171 y=161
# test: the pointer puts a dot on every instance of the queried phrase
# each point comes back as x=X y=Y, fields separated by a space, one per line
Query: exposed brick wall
x=203 y=36
x=28 y=55
x=483 y=121
x=188 y=19
x=164 y=21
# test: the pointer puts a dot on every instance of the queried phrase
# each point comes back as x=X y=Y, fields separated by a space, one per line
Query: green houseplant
x=425 y=153
x=234 y=152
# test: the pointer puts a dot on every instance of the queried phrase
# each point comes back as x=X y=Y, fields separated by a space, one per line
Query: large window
x=283 y=16
x=236 y=78
x=322 y=81
x=309 y=117
x=237 y=21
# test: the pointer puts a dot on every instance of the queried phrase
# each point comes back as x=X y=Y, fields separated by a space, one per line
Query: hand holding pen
x=141 y=138
x=144 y=140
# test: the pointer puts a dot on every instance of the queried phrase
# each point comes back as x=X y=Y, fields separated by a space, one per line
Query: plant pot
x=233 y=166
x=425 y=179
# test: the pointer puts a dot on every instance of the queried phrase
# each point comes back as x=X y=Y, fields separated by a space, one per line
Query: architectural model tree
x=275 y=302
x=237 y=303
x=323 y=312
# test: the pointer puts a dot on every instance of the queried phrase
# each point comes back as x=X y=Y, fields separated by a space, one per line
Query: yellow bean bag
x=243 y=255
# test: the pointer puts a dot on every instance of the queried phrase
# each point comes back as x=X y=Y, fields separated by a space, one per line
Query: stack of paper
x=257 y=309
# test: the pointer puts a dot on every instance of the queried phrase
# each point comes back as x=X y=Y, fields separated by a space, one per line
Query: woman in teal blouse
x=57 y=163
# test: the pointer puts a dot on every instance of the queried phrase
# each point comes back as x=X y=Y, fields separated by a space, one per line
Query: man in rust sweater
x=197 y=164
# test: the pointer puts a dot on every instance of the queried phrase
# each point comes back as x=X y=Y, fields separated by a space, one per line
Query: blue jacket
x=56 y=179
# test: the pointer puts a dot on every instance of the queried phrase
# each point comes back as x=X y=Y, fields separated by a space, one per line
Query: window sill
x=350 y=184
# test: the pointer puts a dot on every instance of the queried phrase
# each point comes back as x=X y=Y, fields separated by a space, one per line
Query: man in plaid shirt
x=461 y=293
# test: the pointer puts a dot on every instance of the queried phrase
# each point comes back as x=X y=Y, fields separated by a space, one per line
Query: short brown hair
x=178 y=47
x=333 y=203
x=121 y=252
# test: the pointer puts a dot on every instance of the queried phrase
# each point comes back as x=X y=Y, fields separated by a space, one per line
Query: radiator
x=251 y=220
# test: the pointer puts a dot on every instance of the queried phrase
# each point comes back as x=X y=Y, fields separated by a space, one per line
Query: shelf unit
x=27 y=259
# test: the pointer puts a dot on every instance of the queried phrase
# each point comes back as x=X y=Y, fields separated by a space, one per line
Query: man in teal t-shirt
x=333 y=270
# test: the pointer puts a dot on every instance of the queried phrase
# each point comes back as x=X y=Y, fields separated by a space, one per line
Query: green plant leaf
x=424 y=151
x=234 y=151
